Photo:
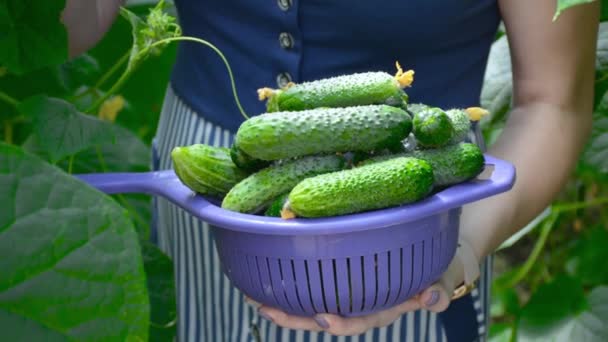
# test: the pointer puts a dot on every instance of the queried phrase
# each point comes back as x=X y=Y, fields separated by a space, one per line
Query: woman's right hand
x=87 y=21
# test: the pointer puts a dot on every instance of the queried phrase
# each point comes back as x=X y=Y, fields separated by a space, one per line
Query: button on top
x=286 y=40
x=283 y=79
x=285 y=4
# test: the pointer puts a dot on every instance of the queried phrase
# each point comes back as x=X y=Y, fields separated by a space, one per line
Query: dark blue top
x=267 y=43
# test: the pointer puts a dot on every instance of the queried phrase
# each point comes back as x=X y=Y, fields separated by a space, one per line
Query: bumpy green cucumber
x=379 y=185
x=245 y=161
x=340 y=91
x=461 y=123
x=280 y=135
x=259 y=189
x=205 y=169
x=274 y=209
x=451 y=164
x=432 y=127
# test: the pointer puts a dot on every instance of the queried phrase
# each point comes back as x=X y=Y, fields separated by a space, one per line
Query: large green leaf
x=588 y=254
x=595 y=157
x=61 y=130
x=32 y=35
x=161 y=289
x=126 y=154
x=559 y=311
x=70 y=259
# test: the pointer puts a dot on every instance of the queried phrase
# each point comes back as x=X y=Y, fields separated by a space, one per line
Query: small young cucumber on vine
x=280 y=135
x=341 y=91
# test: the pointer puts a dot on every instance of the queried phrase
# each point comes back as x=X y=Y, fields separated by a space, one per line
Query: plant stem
x=113 y=69
x=8 y=131
x=580 y=205
x=538 y=247
x=8 y=99
x=201 y=41
x=123 y=78
x=70 y=164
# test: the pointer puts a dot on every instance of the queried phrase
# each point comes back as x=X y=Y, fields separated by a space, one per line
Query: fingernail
x=322 y=322
x=265 y=315
x=433 y=299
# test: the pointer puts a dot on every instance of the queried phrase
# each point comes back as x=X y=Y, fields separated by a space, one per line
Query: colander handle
x=153 y=183
x=159 y=183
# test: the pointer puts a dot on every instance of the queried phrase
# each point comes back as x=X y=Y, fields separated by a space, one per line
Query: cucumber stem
x=405 y=79
x=286 y=212
x=220 y=54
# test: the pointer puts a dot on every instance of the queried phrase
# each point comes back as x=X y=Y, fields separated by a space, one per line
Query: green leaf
x=504 y=302
x=70 y=259
x=588 y=253
x=161 y=289
x=595 y=156
x=562 y=5
x=32 y=35
x=145 y=89
x=61 y=130
x=497 y=89
x=78 y=72
x=158 y=26
x=559 y=311
x=501 y=332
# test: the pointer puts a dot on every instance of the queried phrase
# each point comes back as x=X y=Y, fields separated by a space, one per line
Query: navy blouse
x=270 y=43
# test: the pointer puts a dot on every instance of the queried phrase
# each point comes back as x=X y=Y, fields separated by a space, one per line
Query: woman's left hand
x=435 y=298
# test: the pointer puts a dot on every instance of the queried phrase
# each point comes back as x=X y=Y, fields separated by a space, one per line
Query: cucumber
x=259 y=189
x=207 y=170
x=461 y=123
x=432 y=128
x=281 y=135
x=274 y=210
x=341 y=91
x=245 y=161
x=451 y=164
x=375 y=186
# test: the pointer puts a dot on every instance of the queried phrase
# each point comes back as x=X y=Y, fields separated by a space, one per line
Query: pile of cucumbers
x=335 y=146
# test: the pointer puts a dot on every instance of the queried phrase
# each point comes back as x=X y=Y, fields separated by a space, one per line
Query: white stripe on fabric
x=431 y=331
x=299 y=336
x=182 y=274
x=192 y=321
x=409 y=337
x=424 y=316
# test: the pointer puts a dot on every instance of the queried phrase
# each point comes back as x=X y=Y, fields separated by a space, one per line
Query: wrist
x=469 y=267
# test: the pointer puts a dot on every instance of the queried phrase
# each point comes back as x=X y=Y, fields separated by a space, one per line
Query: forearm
x=544 y=142
x=87 y=21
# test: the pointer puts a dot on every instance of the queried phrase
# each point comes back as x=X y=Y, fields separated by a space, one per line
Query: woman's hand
x=436 y=298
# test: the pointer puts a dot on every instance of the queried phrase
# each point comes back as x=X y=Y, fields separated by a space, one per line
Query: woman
x=446 y=43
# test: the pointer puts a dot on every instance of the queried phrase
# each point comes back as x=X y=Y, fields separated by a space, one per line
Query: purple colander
x=349 y=265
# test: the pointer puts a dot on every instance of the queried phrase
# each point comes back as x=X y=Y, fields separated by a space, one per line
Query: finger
x=288 y=321
x=252 y=302
x=435 y=298
x=348 y=326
